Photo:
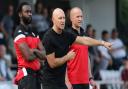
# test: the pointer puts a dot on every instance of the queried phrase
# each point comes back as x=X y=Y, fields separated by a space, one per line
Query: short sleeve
x=48 y=45
x=20 y=38
x=71 y=37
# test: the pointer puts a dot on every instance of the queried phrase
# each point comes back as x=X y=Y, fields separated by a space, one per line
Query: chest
x=32 y=42
x=61 y=44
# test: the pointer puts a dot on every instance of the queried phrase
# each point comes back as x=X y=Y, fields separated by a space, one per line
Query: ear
x=52 y=19
x=20 y=15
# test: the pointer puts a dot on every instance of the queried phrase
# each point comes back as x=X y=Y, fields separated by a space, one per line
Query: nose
x=80 y=18
x=30 y=13
x=63 y=19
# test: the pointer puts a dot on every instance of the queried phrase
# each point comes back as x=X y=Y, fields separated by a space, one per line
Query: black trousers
x=54 y=86
x=80 y=86
x=31 y=81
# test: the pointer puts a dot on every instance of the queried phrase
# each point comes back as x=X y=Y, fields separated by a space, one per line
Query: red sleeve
x=21 y=38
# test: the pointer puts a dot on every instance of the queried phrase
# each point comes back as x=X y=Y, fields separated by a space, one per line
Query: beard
x=27 y=20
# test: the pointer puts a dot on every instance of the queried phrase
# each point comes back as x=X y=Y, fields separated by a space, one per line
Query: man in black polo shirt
x=28 y=50
x=57 y=45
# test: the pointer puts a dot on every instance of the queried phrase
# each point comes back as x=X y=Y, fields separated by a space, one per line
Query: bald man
x=78 y=70
x=57 y=44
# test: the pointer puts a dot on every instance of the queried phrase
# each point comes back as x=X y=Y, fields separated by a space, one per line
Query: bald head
x=58 y=18
x=76 y=16
x=75 y=10
x=57 y=12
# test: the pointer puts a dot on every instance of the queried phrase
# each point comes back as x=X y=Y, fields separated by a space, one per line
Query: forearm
x=31 y=57
x=89 y=41
x=92 y=42
x=60 y=61
x=40 y=54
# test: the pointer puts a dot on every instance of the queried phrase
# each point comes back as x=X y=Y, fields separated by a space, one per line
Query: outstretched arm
x=92 y=42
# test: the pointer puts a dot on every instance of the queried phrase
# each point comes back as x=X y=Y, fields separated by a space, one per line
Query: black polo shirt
x=74 y=31
x=59 y=44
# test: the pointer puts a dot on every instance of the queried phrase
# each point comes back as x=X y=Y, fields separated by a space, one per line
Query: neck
x=76 y=28
x=26 y=26
x=21 y=22
x=114 y=38
x=57 y=30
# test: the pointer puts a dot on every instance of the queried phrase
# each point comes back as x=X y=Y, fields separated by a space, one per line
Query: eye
x=28 y=11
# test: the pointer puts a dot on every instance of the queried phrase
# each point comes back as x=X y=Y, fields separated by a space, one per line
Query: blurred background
x=103 y=19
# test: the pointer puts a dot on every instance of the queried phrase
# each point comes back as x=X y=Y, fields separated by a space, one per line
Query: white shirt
x=104 y=52
x=3 y=68
x=117 y=43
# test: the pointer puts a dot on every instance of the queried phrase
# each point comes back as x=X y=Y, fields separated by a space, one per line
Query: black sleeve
x=71 y=37
x=48 y=45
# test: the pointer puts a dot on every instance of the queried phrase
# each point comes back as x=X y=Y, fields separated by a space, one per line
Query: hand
x=70 y=55
x=108 y=45
x=92 y=83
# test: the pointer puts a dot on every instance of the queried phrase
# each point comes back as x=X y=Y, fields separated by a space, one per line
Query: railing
x=112 y=84
x=7 y=85
x=109 y=84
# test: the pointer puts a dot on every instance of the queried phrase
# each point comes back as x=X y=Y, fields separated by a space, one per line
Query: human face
x=77 y=17
x=106 y=37
x=59 y=19
x=26 y=14
x=10 y=10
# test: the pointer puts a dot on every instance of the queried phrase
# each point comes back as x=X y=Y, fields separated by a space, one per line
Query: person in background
x=93 y=51
x=39 y=19
x=124 y=72
x=5 y=70
x=105 y=57
x=118 y=51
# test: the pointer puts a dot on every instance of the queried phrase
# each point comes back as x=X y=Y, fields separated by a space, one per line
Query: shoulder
x=18 y=31
x=47 y=35
x=69 y=29
x=18 y=34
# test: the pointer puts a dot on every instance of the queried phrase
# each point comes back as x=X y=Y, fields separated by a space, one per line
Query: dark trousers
x=54 y=86
x=80 y=86
x=31 y=81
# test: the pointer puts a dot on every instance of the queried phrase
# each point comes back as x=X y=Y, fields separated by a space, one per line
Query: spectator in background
x=7 y=22
x=105 y=57
x=118 y=51
x=5 y=72
x=2 y=38
x=6 y=26
x=68 y=22
x=124 y=73
x=89 y=31
x=93 y=51
x=39 y=19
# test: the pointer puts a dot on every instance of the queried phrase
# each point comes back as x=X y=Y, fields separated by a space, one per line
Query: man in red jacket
x=28 y=50
x=78 y=70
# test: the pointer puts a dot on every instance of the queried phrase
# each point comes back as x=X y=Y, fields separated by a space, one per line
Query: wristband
x=102 y=42
x=91 y=78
